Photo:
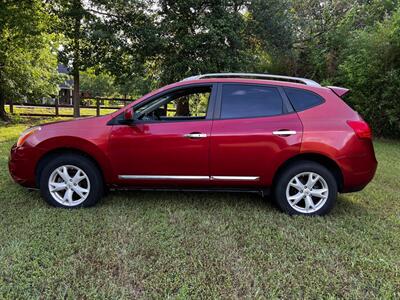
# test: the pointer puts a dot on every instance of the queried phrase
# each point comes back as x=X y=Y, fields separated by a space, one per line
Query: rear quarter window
x=302 y=99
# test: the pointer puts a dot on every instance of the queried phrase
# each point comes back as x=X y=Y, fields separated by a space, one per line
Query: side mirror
x=128 y=115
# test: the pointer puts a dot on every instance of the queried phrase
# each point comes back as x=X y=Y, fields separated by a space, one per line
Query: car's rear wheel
x=306 y=188
x=71 y=181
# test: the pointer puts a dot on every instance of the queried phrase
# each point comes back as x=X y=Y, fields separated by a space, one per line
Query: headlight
x=27 y=133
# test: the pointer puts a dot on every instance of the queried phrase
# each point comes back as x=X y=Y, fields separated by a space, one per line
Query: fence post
x=97 y=107
x=11 y=106
x=56 y=106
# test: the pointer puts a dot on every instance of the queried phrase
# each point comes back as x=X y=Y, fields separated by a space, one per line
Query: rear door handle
x=284 y=132
x=195 y=135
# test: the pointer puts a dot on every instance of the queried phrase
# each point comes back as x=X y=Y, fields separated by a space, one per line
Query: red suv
x=234 y=132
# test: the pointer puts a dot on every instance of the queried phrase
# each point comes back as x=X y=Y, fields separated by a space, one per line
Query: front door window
x=183 y=105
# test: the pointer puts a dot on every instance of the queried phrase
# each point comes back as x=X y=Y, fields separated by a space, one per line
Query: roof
x=62 y=69
x=305 y=81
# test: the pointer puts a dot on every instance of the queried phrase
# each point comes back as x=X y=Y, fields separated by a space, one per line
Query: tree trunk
x=77 y=59
x=182 y=108
x=3 y=114
x=76 y=94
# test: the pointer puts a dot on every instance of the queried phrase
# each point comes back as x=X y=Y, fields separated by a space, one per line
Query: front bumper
x=21 y=165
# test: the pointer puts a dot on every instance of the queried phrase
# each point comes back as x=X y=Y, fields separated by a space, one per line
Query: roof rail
x=254 y=75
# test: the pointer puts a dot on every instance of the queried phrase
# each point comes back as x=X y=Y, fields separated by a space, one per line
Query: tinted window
x=243 y=101
x=302 y=99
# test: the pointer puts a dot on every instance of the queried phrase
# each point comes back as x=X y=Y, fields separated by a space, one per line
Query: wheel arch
x=77 y=146
x=324 y=160
x=59 y=151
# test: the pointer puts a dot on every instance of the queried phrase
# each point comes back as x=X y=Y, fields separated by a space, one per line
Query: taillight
x=361 y=128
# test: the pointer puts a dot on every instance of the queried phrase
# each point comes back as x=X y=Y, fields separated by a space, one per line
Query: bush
x=371 y=69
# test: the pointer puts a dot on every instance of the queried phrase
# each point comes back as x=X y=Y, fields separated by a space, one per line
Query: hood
x=72 y=121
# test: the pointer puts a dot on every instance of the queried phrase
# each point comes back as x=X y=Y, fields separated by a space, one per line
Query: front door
x=168 y=143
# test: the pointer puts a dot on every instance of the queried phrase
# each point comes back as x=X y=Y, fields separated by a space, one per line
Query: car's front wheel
x=306 y=188
x=71 y=181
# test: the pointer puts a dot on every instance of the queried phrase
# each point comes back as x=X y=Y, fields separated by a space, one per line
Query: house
x=66 y=88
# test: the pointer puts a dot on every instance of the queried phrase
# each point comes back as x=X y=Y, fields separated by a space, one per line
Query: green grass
x=199 y=245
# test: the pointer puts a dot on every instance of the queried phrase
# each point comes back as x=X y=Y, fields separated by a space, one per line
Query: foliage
x=270 y=36
x=102 y=84
x=125 y=36
x=27 y=52
x=32 y=72
x=199 y=37
x=97 y=85
x=324 y=30
x=97 y=33
x=373 y=74
x=73 y=22
x=77 y=50
x=110 y=35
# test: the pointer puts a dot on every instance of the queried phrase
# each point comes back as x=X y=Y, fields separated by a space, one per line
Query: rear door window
x=302 y=99
x=247 y=101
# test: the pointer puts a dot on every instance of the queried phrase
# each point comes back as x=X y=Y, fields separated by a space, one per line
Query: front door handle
x=195 y=135
x=284 y=132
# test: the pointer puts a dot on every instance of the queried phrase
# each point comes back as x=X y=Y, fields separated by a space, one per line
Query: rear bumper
x=357 y=171
x=21 y=165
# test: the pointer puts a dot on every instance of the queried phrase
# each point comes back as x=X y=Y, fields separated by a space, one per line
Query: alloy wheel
x=69 y=185
x=307 y=192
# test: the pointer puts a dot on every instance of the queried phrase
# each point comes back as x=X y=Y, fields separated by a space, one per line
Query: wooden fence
x=98 y=106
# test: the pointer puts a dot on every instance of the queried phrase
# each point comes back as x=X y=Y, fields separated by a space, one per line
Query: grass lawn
x=200 y=245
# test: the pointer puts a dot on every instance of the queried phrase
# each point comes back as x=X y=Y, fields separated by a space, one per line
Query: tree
x=103 y=84
x=371 y=69
x=270 y=21
x=113 y=36
x=98 y=84
x=322 y=31
x=76 y=51
x=127 y=41
x=200 y=36
x=27 y=60
x=268 y=36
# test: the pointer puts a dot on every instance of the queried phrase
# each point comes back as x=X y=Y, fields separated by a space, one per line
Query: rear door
x=255 y=130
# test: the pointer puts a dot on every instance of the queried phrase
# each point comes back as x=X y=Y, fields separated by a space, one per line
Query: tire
x=71 y=181
x=295 y=193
